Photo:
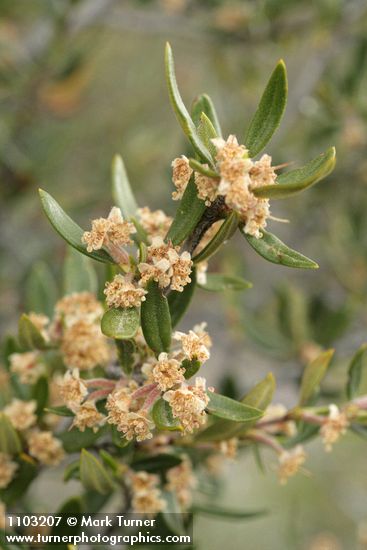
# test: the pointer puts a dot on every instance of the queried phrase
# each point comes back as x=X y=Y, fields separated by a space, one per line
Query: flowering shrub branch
x=113 y=384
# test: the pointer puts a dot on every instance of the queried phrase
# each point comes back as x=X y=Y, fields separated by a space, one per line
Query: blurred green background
x=82 y=80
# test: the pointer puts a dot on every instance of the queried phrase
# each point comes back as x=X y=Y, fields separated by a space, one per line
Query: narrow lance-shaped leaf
x=180 y=110
x=179 y=301
x=224 y=233
x=269 y=112
x=206 y=133
x=126 y=354
x=313 y=375
x=258 y=397
x=121 y=323
x=274 y=250
x=298 y=180
x=156 y=319
x=41 y=290
x=163 y=417
x=355 y=372
x=79 y=274
x=40 y=393
x=93 y=474
x=229 y=409
x=29 y=335
x=215 y=282
x=188 y=214
x=70 y=231
x=157 y=464
x=227 y=513
x=121 y=189
x=204 y=104
x=9 y=439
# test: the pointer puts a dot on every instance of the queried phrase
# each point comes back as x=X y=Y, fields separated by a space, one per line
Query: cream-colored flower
x=166 y=266
x=7 y=470
x=194 y=345
x=3 y=522
x=40 y=321
x=149 y=504
x=181 y=174
x=113 y=230
x=45 y=447
x=272 y=414
x=207 y=187
x=229 y=447
x=188 y=404
x=121 y=292
x=182 y=482
x=143 y=481
x=84 y=346
x=335 y=425
x=72 y=389
x=290 y=462
x=166 y=372
x=27 y=366
x=262 y=172
x=238 y=176
x=79 y=306
x=21 y=413
x=155 y=223
x=87 y=416
x=201 y=273
x=125 y=414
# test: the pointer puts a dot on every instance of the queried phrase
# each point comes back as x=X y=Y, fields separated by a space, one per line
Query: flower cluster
x=166 y=266
x=146 y=496
x=238 y=176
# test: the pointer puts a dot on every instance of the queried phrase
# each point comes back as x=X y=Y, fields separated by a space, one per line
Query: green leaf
x=188 y=214
x=93 y=474
x=121 y=189
x=70 y=231
x=179 y=301
x=191 y=367
x=75 y=440
x=59 y=411
x=40 y=290
x=313 y=375
x=156 y=319
x=226 y=513
x=225 y=232
x=156 y=464
x=79 y=274
x=215 y=282
x=40 y=394
x=163 y=417
x=9 y=440
x=72 y=471
x=261 y=395
x=300 y=179
x=25 y=474
x=269 y=112
x=229 y=409
x=30 y=337
x=109 y=461
x=71 y=507
x=274 y=250
x=206 y=133
x=121 y=323
x=125 y=352
x=355 y=372
x=204 y=104
x=180 y=110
